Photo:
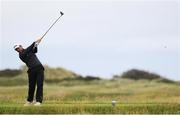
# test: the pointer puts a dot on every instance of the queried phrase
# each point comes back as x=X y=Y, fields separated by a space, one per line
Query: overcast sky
x=100 y=38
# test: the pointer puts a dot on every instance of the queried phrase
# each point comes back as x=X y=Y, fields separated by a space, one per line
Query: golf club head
x=61 y=13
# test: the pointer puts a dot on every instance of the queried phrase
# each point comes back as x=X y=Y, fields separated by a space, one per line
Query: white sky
x=100 y=38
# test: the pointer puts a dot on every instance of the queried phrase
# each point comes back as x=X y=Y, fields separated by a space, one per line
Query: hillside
x=63 y=76
x=52 y=75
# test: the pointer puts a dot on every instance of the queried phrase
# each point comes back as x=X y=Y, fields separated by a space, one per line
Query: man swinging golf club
x=35 y=69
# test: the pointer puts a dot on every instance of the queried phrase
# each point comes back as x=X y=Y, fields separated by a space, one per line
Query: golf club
x=49 y=29
x=52 y=24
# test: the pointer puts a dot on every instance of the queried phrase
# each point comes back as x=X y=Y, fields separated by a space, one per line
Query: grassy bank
x=95 y=97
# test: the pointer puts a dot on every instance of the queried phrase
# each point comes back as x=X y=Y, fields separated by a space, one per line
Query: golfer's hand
x=38 y=41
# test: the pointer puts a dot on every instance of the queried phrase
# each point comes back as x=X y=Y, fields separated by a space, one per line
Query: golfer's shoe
x=37 y=104
x=28 y=103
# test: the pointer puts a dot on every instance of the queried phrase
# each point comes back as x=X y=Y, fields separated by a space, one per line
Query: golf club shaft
x=51 y=27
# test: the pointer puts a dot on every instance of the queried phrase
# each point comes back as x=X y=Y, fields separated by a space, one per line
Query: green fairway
x=95 y=97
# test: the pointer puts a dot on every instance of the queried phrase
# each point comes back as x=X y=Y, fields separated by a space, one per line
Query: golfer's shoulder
x=23 y=53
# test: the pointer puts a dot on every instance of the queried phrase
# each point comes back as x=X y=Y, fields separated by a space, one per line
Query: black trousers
x=35 y=78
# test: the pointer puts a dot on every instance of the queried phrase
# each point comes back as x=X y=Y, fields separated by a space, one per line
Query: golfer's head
x=18 y=48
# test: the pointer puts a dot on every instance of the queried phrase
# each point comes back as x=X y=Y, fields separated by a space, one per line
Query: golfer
x=35 y=72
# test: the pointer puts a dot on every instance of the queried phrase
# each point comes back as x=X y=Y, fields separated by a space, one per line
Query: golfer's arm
x=36 y=43
x=29 y=49
x=33 y=47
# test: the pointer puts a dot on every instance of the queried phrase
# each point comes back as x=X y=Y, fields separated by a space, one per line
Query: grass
x=92 y=109
x=80 y=97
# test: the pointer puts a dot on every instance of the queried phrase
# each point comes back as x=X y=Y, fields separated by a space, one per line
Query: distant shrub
x=135 y=74
x=10 y=72
x=90 y=78
x=139 y=74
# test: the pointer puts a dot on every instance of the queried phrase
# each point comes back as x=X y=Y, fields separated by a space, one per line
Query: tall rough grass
x=133 y=97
